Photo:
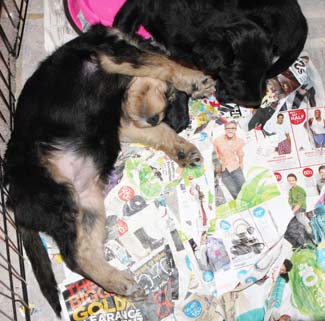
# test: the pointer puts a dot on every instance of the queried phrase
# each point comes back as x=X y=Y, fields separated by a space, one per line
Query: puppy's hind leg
x=84 y=252
x=89 y=246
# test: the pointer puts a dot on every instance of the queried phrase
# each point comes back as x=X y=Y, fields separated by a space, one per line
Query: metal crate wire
x=13 y=291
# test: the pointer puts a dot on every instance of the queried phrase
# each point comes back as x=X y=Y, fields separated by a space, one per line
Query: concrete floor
x=33 y=52
x=314 y=10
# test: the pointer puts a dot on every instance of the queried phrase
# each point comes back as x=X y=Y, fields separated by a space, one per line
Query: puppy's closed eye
x=154 y=120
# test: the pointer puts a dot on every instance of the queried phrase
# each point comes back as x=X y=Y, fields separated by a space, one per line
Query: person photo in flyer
x=307 y=89
x=300 y=86
x=278 y=89
x=316 y=125
x=297 y=201
x=275 y=299
x=282 y=130
x=320 y=185
x=311 y=92
x=282 y=86
x=219 y=194
x=229 y=149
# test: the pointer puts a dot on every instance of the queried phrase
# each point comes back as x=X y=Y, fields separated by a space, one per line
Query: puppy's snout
x=153 y=121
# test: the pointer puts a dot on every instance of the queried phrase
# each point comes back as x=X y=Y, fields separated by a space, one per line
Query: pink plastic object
x=97 y=11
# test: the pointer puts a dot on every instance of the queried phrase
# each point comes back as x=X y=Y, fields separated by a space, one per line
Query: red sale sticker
x=308 y=172
x=126 y=193
x=278 y=176
x=297 y=116
x=122 y=227
x=214 y=103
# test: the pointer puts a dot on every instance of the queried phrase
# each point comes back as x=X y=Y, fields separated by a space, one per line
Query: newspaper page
x=204 y=242
x=296 y=88
x=188 y=235
x=292 y=143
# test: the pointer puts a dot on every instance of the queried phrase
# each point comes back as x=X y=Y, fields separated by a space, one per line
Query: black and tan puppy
x=235 y=41
x=88 y=95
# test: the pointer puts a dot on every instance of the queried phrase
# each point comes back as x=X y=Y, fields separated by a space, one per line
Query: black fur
x=68 y=102
x=234 y=41
x=59 y=103
x=41 y=265
x=177 y=113
x=285 y=24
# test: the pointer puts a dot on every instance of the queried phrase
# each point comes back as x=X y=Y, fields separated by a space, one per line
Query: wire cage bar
x=13 y=290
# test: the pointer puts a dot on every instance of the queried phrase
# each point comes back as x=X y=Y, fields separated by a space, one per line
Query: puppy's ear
x=246 y=36
x=177 y=113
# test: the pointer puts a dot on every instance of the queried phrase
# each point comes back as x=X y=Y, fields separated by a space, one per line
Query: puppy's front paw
x=190 y=159
x=194 y=83
x=185 y=154
x=203 y=87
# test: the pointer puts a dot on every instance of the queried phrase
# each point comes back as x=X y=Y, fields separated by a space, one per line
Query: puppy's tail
x=42 y=268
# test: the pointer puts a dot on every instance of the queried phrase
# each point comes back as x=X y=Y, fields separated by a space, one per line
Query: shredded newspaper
x=210 y=242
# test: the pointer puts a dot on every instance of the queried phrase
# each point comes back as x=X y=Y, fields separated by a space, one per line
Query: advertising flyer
x=205 y=241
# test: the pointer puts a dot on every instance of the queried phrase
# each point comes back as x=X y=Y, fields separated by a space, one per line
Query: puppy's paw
x=125 y=285
x=185 y=154
x=203 y=88
x=194 y=83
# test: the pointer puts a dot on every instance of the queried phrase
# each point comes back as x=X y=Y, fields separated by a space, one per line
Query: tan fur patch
x=162 y=68
x=146 y=98
x=91 y=234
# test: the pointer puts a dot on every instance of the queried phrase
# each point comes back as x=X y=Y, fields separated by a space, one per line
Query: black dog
x=71 y=115
x=283 y=22
x=234 y=41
